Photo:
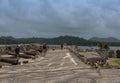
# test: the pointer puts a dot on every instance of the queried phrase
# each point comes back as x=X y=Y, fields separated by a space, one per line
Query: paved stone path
x=57 y=66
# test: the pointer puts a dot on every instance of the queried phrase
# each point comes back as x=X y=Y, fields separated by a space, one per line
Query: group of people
x=101 y=63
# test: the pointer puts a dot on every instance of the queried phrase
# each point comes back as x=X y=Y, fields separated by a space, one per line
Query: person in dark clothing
x=40 y=50
x=101 y=63
x=61 y=46
x=17 y=51
x=44 y=48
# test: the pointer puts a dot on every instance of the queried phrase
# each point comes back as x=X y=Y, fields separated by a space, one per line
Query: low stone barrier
x=86 y=60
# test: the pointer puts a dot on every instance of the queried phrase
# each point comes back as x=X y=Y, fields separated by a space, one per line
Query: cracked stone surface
x=57 y=66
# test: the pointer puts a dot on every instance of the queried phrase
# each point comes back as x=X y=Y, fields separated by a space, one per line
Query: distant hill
x=57 y=40
x=108 y=39
x=70 y=40
x=8 y=40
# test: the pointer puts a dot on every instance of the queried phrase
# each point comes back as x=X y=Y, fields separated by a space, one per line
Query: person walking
x=97 y=66
x=61 y=46
x=17 y=51
x=44 y=49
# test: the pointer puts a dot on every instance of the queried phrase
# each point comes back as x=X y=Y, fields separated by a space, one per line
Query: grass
x=114 y=62
x=118 y=62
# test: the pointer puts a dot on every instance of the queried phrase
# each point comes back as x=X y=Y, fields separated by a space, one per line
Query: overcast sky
x=51 y=18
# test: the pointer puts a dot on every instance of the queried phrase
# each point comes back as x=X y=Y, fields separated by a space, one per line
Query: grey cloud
x=49 y=18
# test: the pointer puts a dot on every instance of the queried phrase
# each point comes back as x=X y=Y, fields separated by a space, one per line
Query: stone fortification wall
x=88 y=57
x=26 y=47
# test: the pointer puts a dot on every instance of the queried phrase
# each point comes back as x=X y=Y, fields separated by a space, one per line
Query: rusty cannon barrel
x=13 y=61
x=11 y=53
x=26 y=56
x=34 y=53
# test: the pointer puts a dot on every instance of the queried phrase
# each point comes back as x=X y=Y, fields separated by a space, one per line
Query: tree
x=103 y=46
x=100 y=46
x=106 y=47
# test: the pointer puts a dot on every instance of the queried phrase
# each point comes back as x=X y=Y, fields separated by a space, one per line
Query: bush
x=118 y=53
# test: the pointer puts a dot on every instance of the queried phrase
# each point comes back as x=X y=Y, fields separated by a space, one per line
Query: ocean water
x=94 y=47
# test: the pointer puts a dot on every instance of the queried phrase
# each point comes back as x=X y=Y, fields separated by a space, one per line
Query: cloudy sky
x=51 y=18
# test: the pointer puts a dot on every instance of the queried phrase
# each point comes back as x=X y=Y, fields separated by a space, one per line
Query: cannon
x=11 y=53
x=13 y=61
x=26 y=56
x=30 y=53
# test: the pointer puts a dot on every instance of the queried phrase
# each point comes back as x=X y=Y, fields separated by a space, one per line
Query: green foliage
x=100 y=45
x=70 y=40
x=106 y=47
x=103 y=46
x=8 y=40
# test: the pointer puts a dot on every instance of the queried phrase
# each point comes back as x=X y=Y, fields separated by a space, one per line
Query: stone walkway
x=57 y=66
